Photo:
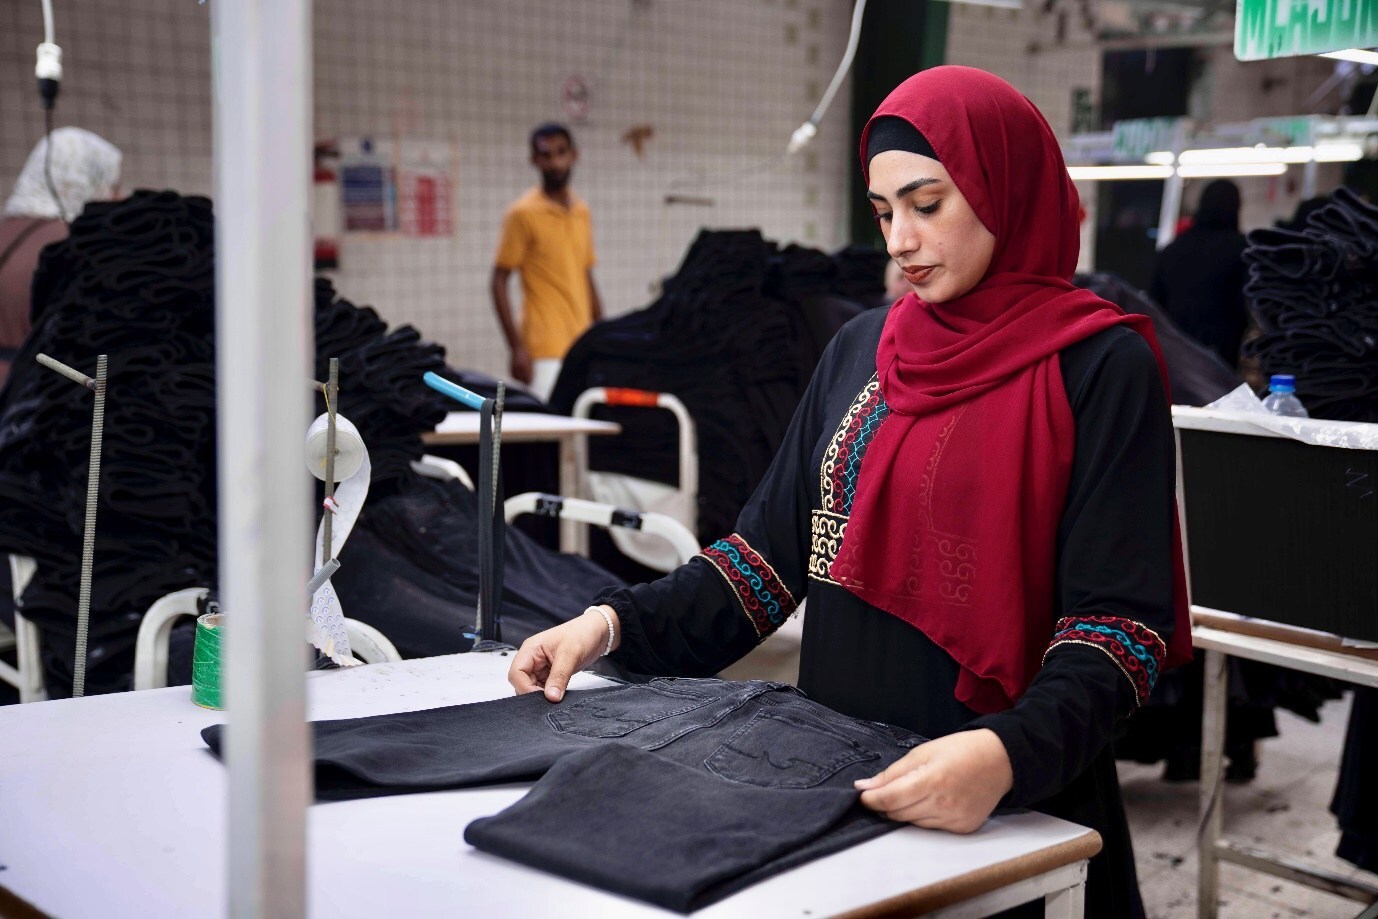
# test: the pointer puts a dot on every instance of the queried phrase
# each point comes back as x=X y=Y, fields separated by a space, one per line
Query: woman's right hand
x=548 y=659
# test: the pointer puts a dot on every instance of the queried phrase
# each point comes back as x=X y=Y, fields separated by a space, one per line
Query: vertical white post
x=1066 y=904
x=1308 y=180
x=1216 y=699
x=261 y=60
x=1171 y=209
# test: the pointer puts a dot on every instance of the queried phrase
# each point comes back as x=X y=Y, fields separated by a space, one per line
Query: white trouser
x=544 y=372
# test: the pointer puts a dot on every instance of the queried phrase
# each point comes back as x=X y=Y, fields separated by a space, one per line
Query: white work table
x=460 y=428
x=112 y=806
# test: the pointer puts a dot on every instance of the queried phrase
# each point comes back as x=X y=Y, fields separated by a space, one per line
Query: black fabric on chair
x=1198 y=375
x=735 y=334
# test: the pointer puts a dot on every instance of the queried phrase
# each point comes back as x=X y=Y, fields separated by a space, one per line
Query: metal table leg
x=1212 y=770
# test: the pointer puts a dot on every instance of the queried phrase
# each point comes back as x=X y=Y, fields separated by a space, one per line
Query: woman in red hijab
x=976 y=494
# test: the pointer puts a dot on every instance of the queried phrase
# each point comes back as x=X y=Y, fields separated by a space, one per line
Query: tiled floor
x=1285 y=809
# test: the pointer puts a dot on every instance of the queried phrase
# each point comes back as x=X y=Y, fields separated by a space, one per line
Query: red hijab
x=954 y=524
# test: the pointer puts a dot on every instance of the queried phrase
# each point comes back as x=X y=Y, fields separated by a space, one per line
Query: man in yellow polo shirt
x=547 y=236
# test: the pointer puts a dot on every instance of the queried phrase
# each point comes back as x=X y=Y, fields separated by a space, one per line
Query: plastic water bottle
x=1282 y=397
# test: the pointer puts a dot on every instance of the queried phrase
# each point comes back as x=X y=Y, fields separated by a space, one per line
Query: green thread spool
x=205 y=661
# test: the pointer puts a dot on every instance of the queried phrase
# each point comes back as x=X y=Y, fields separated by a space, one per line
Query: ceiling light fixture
x=1113 y=173
x=1357 y=55
x=1224 y=170
x=1333 y=152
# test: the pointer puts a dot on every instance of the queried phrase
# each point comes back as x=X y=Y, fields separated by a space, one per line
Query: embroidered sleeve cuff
x=1133 y=647
x=760 y=593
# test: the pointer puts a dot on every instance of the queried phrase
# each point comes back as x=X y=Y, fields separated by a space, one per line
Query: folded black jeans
x=677 y=792
x=637 y=824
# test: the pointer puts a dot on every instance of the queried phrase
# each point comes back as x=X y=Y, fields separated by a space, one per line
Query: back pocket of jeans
x=778 y=750
x=621 y=711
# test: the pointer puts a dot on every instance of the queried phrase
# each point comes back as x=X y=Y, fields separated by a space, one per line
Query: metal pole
x=88 y=533
x=1308 y=180
x=1212 y=771
x=261 y=65
x=332 y=400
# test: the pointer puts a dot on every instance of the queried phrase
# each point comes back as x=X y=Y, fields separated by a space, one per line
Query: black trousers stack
x=676 y=792
x=1314 y=294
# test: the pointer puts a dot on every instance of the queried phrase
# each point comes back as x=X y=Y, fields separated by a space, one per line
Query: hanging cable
x=806 y=131
x=48 y=163
x=802 y=134
x=48 y=70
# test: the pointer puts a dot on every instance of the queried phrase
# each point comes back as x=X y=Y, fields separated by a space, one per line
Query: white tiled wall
x=1261 y=89
x=136 y=72
x=722 y=83
x=1021 y=46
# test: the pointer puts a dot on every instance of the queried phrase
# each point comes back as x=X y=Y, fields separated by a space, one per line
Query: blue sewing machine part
x=454 y=391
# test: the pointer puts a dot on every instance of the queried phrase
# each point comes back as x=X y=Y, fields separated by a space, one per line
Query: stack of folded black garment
x=135 y=280
x=735 y=335
x=1314 y=293
x=379 y=376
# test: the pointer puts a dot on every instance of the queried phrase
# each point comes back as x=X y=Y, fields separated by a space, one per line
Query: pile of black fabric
x=380 y=383
x=411 y=569
x=735 y=335
x=135 y=280
x=1198 y=376
x=1355 y=803
x=1314 y=293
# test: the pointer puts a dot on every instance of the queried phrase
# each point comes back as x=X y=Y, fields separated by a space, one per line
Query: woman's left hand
x=952 y=783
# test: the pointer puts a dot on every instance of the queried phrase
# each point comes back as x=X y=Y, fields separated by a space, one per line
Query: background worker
x=547 y=236
x=83 y=167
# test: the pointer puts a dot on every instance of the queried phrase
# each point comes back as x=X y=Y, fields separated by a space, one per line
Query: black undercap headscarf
x=891 y=133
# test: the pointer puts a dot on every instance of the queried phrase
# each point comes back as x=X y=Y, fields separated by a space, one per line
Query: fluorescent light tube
x=1224 y=170
x=1112 y=173
x=1357 y=55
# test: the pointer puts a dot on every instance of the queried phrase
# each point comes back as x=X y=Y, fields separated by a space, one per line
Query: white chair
x=438 y=467
x=682 y=544
x=776 y=658
x=150 y=648
x=679 y=503
x=368 y=644
x=27 y=674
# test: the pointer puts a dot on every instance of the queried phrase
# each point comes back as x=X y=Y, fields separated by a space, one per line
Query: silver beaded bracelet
x=608 y=619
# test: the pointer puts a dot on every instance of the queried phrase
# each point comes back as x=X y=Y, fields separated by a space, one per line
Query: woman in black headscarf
x=1199 y=278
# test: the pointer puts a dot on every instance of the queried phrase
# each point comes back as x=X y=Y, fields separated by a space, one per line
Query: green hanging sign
x=1288 y=132
x=1266 y=29
x=1135 y=138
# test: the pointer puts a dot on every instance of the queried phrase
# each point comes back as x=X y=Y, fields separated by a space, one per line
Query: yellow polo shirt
x=552 y=248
